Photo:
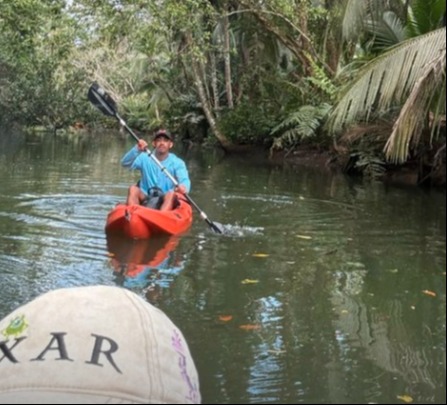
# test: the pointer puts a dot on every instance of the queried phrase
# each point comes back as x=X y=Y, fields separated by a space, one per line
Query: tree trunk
x=214 y=83
x=333 y=48
x=300 y=45
x=198 y=82
x=227 y=59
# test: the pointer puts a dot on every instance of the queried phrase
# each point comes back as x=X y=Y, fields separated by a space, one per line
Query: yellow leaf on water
x=249 y=281
x=250 y=327
x=304 y=237
x=430 y=293
x=260 y=255
x=406 y=398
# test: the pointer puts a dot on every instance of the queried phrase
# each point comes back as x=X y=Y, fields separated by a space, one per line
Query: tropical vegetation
x=363 y=79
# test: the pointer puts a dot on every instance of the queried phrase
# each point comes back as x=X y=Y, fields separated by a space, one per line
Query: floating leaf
x=304 y=237
x=357 y=265
x=225 y=318
x=430 y=293
x=250 y=326
x=406 y=398
x=249 y=281
x=260 y=255
x=394 y=271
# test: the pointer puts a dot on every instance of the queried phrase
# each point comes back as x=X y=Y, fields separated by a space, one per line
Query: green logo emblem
x=15 y=327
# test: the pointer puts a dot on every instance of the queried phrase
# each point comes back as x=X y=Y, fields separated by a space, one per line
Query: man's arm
x=182 y=176
x=130 y=157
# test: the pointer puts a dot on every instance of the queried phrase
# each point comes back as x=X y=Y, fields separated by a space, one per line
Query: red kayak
x=139 y=222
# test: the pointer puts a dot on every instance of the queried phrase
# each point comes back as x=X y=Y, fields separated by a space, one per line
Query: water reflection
x=145 y=265
x=377 y=325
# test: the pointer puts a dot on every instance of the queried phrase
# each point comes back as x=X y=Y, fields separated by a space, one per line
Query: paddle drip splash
x=240 y=230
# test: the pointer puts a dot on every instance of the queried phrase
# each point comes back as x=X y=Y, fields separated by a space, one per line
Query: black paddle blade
x=216 y=227
x=101 y=100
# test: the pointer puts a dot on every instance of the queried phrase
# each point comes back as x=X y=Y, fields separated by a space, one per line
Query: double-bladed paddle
x=104 y=102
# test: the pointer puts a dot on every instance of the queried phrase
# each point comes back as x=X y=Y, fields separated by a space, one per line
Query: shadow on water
x=11 y=140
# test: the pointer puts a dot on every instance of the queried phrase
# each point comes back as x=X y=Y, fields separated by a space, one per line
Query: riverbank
x=413 y=173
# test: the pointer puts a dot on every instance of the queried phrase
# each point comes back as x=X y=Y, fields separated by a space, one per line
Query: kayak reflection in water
x=145 y=264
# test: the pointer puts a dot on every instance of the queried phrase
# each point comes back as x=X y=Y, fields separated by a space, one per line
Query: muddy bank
x=427 y=173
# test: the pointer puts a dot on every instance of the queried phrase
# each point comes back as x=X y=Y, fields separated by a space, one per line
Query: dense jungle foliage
x=365 y=80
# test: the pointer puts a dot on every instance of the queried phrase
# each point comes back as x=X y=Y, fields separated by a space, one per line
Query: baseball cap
x=165 y=133
x=97 y=344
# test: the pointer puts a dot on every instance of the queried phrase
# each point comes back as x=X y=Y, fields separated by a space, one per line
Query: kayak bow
x=139 y=222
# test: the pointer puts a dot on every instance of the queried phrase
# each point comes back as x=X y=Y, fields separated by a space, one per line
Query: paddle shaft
x=108 y=109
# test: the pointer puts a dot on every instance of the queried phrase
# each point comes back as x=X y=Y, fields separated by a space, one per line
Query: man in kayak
x=153 y=180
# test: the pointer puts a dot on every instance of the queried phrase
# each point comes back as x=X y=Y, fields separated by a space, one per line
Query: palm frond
x=425 y=16
x=355 y=15
x=388 y=79
x=413 y=117
x=353 y=18
x=387 y=32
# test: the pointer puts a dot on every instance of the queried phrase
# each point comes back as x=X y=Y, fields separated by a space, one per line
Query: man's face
x=162 y=144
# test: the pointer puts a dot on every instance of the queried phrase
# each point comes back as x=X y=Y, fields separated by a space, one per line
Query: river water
x=323 y=289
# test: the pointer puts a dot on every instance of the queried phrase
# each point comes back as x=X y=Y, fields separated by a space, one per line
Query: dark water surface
x=322 y=290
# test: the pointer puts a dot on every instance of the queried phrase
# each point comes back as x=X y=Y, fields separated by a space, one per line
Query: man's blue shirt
x=152 y=175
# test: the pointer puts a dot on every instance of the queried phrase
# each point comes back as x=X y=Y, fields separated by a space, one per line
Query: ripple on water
x=61 y=230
